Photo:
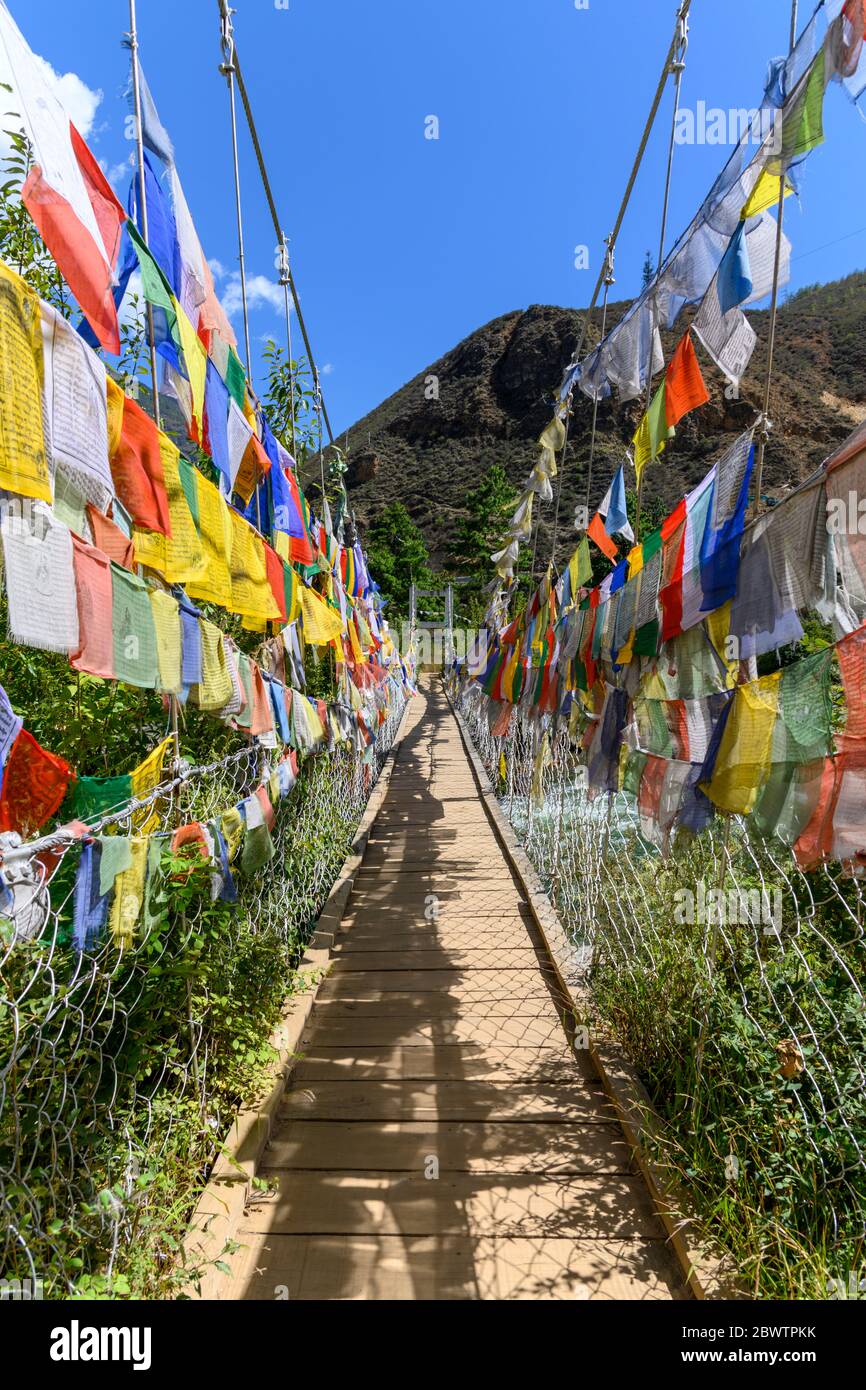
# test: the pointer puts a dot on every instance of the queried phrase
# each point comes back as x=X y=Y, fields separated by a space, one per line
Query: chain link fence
x=735 y=982
x=121 y=1065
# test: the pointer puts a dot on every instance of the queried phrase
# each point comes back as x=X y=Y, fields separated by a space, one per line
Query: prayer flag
x=138 y=471
x=23 y=454
x=65 y=192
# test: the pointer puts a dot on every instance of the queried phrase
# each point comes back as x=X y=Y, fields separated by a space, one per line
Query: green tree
x=21 y=246
x=398 y=557
x=290 y=401
x=478 y=535
x=648 y=271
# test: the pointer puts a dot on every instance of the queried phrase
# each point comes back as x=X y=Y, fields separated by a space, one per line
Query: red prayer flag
x=86 y=266
x=137 y=470
x=685 y=389
x=34 y=785
x=276 y=579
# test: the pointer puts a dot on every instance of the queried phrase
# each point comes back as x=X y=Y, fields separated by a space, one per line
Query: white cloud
x=327 y=369
x=261 y=292
x=217 y=269
x=118 y=175
x=79 y=101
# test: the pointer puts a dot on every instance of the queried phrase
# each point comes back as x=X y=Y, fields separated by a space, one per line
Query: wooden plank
x=518 y=1147
x=319 y=1062
x=431 y=1007
x=421 y=1032
x=465 y=984
x=447 y=1100
x=394 y=1268
x=429 y=937
x=376 y=1203
x=472 y=958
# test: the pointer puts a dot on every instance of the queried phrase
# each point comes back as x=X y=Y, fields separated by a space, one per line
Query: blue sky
x=402 y=245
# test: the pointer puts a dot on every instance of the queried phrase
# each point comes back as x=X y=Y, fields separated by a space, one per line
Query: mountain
x=495 y=393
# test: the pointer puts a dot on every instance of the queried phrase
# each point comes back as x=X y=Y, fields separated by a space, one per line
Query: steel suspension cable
x=669 y=66
x=678 y=67
x=226 y=12
x=764 y=436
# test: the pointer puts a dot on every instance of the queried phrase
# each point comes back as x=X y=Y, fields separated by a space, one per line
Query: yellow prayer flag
x=23 y=457
x=195 y=361
x=215 y=532
x=354 y=643
x=743 y=762
x=232 y=827
x=718 y=626
x=216 y=687
x=252 y=596
x=180 y=557
x=145 y=778
x=166 y=622
x=579 y=569
x=129 y=895
x=114 y=400
x=765 y=194
x=321 y=623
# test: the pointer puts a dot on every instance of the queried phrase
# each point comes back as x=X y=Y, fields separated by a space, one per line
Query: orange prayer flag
x=136 y=468
x=684 y=385
x=596 y=532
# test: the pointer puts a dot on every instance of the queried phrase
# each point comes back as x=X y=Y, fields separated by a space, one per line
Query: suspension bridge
x=581 y=1016
x=441 y=1135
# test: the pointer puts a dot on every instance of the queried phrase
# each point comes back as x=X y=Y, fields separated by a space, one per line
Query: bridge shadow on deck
x=439 y=1138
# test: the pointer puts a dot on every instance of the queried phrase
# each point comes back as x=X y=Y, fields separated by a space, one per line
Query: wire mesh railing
x=122 y=1063
x=735 y=982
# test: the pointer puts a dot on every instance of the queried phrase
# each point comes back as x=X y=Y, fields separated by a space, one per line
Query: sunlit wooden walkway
x=439 y=1138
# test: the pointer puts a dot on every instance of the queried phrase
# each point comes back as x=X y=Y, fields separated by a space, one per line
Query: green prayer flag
x=659 y=432
x=258 y=849
x=132 y=630
x=652 y=545
x=115 y=858
x=92 y=797
x=803 y=125
x=244 y=720
x=236 y=378
x=154 y=285
x=189 y=483
x=646 y=639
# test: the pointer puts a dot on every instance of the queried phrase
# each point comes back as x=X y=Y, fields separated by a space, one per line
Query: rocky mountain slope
x=495 y=393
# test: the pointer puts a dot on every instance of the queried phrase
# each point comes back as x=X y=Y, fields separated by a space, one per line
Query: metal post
x=285 y=281
x=763 y=438
x=139 y=142
x=227 y=68
x=319 y=420
x=608 y=281
x=677 y=67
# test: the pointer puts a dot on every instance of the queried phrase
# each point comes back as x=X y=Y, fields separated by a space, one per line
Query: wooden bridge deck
x=439 y=1138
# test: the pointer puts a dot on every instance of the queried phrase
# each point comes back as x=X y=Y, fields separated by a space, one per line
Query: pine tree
x=648 y=271
x=398 y=557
